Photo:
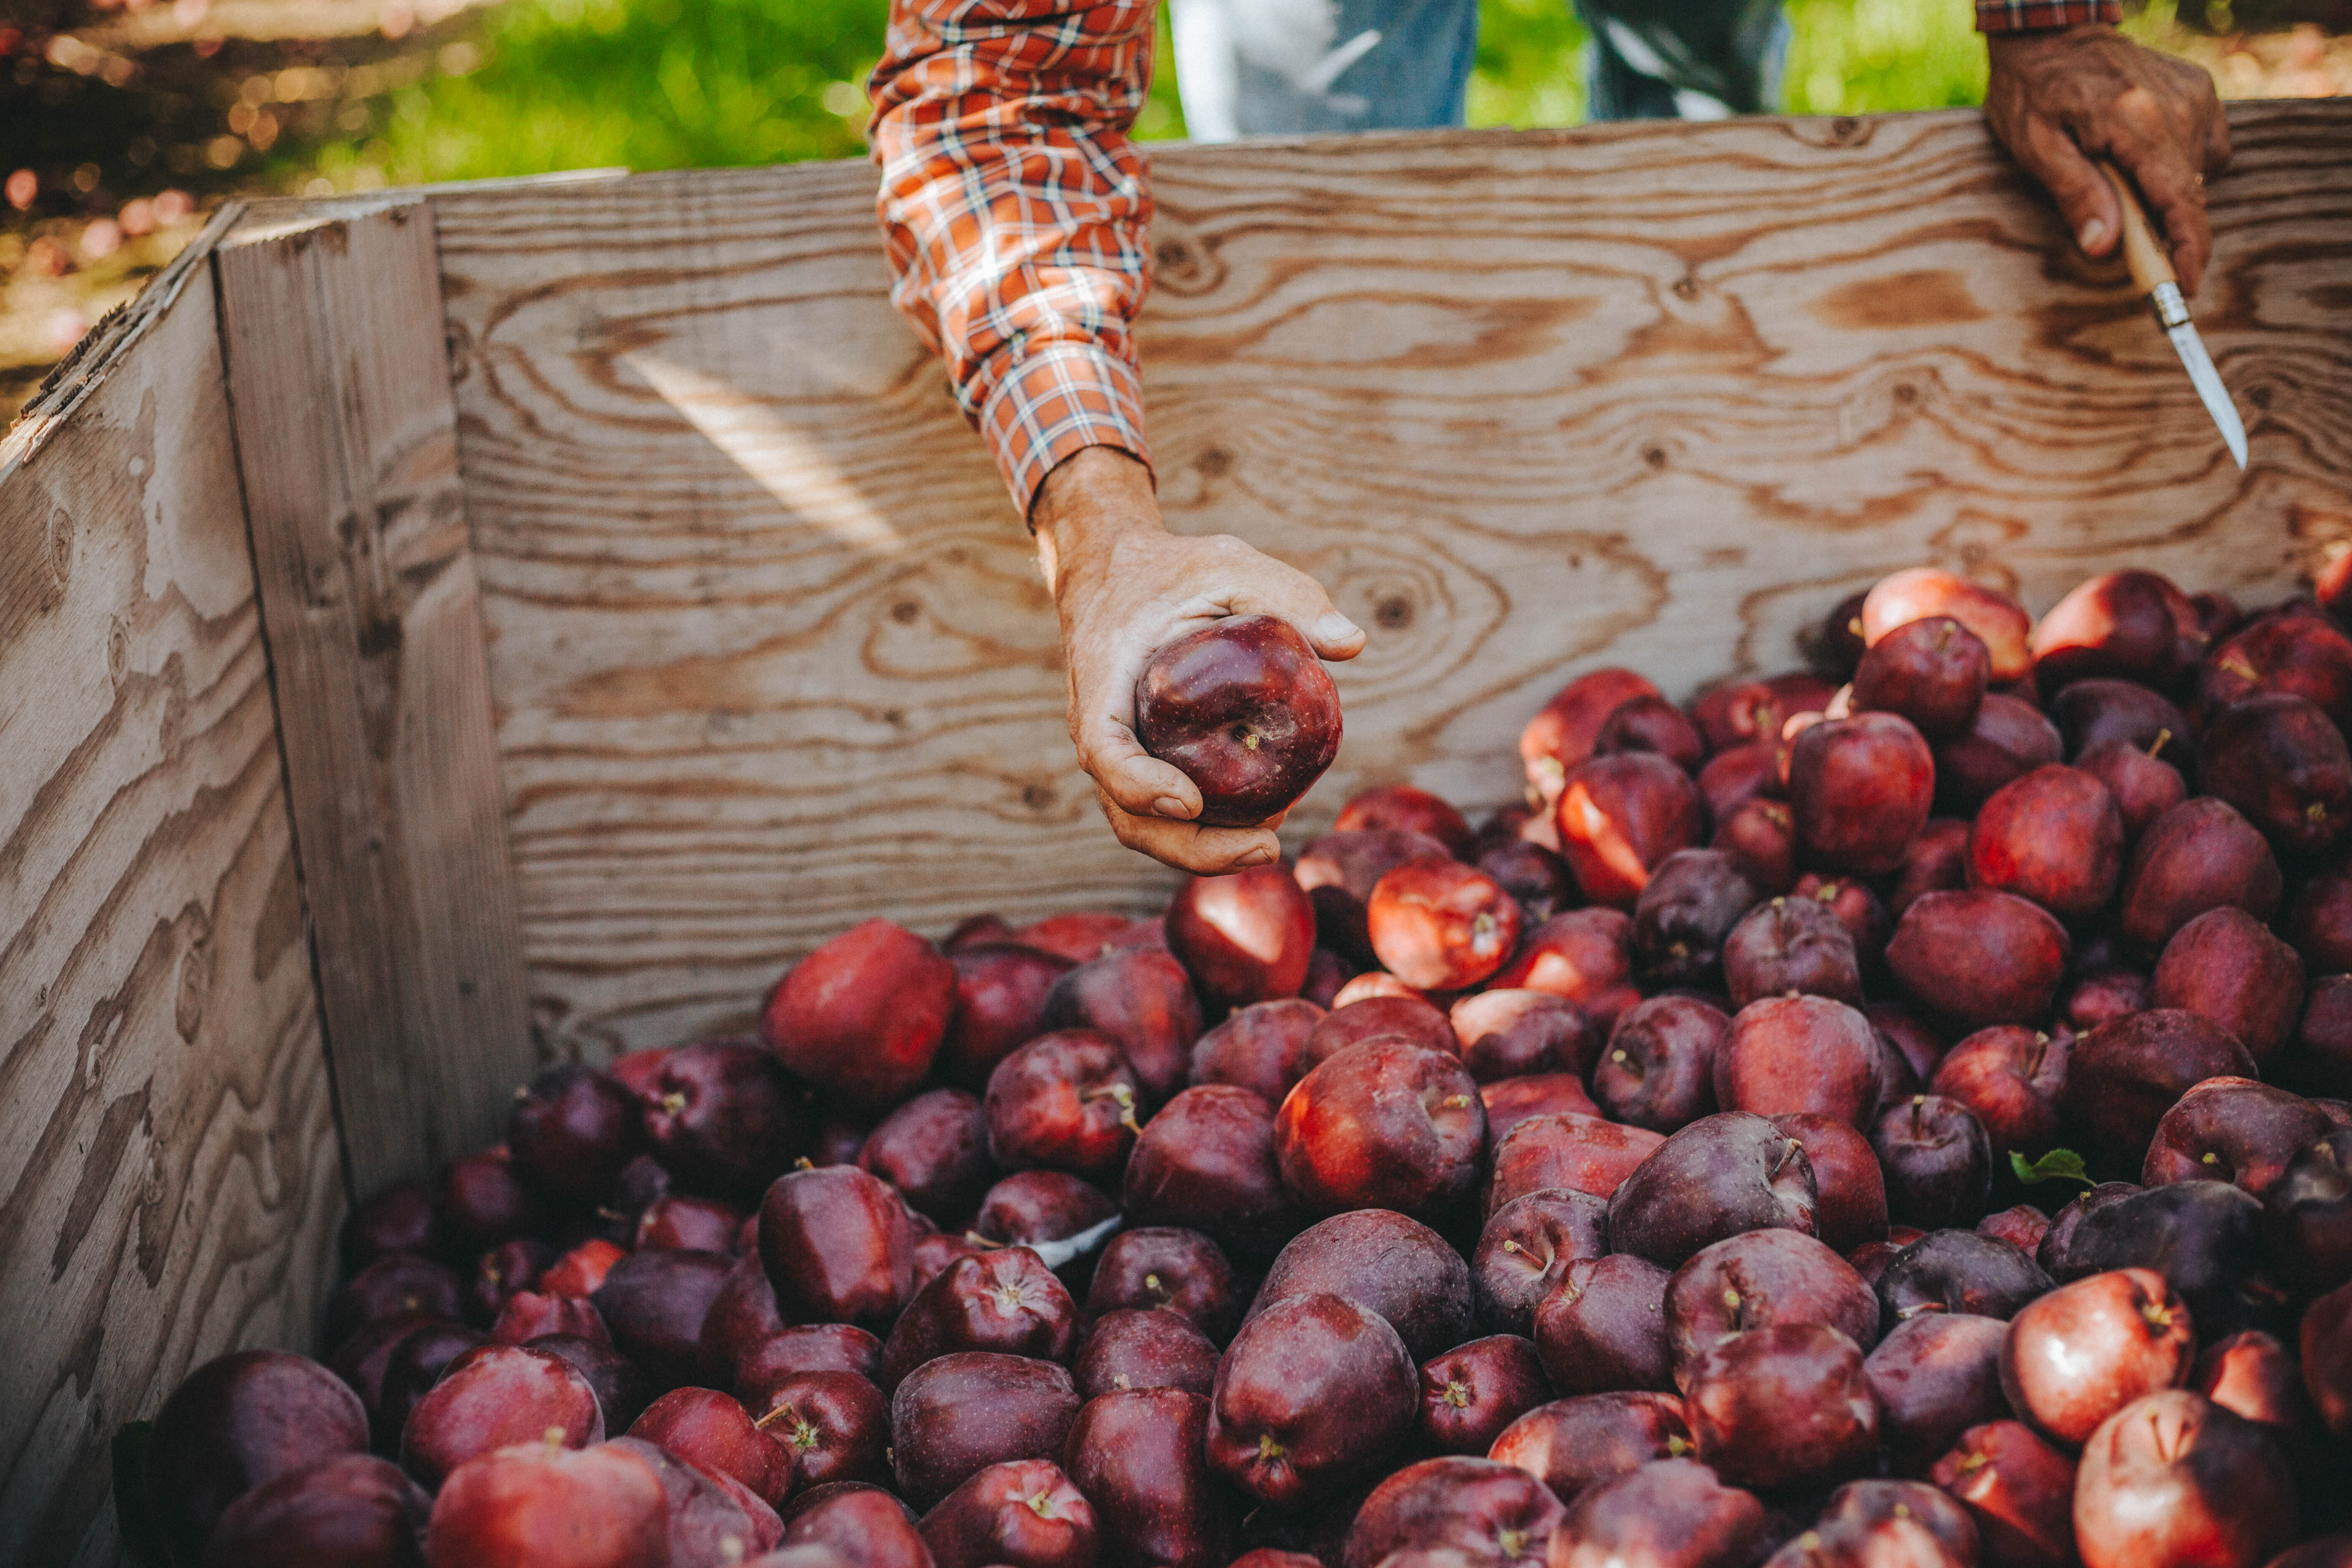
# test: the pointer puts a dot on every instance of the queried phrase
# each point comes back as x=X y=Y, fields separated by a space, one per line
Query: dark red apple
x=2174 y=1477
x=1692 y=902
x=2308 y=1214
x=571 y=1131
x=1935 y=1377
x=2233 y=1129
x=1001 y=988
x=1979 y=957
x=1063 y=1218
x=1245 y=936
x=1472 y=1392
x=1398 y=1267
x=934 y=1150
x=2282 y=762
x=1799 y=1054
x=1512 y=1100
x=1755 y=1280
x=1064 y=1101
x=1850 y=1190
x=1537 y=879
x=2134 y=625
x=239 y=1422
x=483 y=1202
x=1932 y=671
x=1585 y=956
x=2019 y=1489
x=712 y=1432
x=2011 y=1078
x=1004 y=1301
x=2122 y=1077
x=864 y=1014
x=1138 y=1457
x=2226 y=967
x=1791 y=944
x=2324 y=1339
x=1381 y=1125
x=2055 y=836
x=1020 y=1511
x=539 y=1503
x=2144 y=787
x=1453 y=1510
x=353 y=1510
x=1658 y=1068
x=2300 y=655
x=1144 y=1000
x=1259 y=1048
x=1937 y=1160
x=1168 y=1269
x=1618 y=817
x=2008 y=739
x=1514 y=1034
x=1651 y=724
x=956 y=1416
x=2199 y=856
x=1524 y=1250
x=830 y=1427
x=1558 y=739
x=836 y=1245
x=1783 y=1406
x=1399 y=807
x=690 y=1224
x=1135 y=1349
x=1311 y=1392
x=491 y=1399
x=2086 y=1350
x=724 y=1114
x=1603 y=1328
x=1565 y=1149
x=1859 y=788
x=1245 y=710
x=1998 y=621
x=1761 y=836
x=1722 y=1175
x=1208 y=1162
x=1439 y=925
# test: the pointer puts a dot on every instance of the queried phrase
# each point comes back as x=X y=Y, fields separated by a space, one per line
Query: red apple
x=864 y=1014
x=1245 y=710
x=540 y=1504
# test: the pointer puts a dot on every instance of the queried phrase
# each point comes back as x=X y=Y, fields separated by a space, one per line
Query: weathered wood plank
x=347 y=442
x=169 y=1175
x=770 y=653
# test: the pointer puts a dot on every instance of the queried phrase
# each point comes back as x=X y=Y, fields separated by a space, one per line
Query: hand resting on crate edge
x=1123 y=586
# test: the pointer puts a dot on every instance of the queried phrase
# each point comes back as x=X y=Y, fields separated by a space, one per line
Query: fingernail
x=1254 y=857
x=1336 y=628
x=2094 y=233
x=1169 y=805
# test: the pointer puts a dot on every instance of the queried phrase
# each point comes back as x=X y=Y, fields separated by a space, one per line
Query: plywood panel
x=169 y=1175
x=770 y=654
x=347 y=442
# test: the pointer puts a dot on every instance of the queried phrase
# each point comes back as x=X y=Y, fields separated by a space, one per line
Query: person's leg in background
x=1683 y=59
x=1258 y=68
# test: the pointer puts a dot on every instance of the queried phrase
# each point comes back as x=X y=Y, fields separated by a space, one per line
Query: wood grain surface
x=770 y=653
x=169 y=1176
x=347 y=442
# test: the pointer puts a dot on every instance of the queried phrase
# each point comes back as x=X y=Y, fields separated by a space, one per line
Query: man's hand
x=1125 y=587
x=2059 y=99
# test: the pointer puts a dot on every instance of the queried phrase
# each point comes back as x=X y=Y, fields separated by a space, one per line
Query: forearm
x=1014 y=210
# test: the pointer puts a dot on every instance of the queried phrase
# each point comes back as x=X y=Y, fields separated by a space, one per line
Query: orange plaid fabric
x=1015 y=210
x=2036 y=16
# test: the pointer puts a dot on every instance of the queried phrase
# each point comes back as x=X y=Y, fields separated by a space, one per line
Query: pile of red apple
x=1694 y=1165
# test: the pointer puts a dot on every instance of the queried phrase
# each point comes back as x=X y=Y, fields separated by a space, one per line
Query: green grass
x=654 y=84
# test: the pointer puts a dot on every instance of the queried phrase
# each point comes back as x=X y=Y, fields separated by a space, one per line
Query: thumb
x=1292 y=595
x=2084 y=196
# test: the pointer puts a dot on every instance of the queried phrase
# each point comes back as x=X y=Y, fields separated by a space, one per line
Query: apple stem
x=2162 y=736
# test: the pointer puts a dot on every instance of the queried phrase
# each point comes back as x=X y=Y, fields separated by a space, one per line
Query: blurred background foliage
x=121 y=122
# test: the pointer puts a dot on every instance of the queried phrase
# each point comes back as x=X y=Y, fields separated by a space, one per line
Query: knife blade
x=2151 y=270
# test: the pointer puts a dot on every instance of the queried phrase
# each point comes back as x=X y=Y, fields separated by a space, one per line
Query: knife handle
x=2150 y=263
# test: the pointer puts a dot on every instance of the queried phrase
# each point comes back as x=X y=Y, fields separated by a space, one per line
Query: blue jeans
x=1257 y=68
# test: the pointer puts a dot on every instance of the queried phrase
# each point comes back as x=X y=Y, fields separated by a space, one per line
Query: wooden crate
x=453 y=629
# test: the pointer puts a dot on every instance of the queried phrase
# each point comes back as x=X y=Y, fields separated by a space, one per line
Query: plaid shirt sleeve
x=2038 y=16
x=1014 y=211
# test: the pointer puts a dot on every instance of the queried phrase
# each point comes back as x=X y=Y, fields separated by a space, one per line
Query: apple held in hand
x=1246 y=710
